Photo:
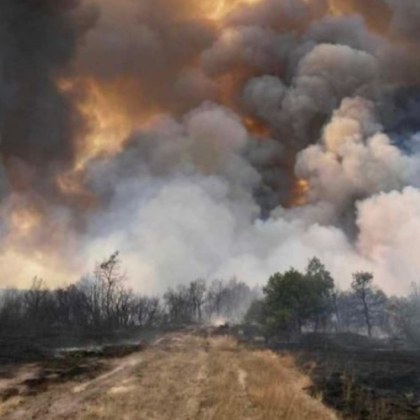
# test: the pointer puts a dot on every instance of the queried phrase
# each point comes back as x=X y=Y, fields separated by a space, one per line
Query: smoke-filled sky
x=209 y=138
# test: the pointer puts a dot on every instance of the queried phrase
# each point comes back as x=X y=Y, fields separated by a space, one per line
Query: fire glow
x=210 y=138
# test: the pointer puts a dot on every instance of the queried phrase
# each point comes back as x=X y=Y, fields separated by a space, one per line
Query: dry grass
x=186 y=377
x=277 y=388
x=258 y=385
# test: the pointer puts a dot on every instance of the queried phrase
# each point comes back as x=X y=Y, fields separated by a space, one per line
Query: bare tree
x=215 y=297
x=12 y=311
x=178 y=305
x=148 y=311
x=230 y=300
x=39 y=305
x=197 y=294
x=362 y=286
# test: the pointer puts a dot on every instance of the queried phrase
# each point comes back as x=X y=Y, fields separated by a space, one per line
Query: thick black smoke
x=38 y=123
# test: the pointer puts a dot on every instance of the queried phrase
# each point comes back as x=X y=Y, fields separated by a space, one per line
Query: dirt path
x=179 y=377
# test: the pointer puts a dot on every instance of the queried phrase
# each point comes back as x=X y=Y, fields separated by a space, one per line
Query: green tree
x=322 y=283
x=294 y=299
x=256 y=313
x=286 y=301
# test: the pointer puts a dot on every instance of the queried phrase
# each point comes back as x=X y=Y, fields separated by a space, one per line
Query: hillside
x=179 y=376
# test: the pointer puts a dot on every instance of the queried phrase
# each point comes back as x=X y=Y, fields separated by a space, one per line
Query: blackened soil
x=365 y=384
x=79 y=364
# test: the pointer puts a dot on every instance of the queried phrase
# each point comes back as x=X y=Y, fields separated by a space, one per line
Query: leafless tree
x=197 y=295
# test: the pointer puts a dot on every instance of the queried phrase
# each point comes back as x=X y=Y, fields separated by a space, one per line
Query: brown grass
x=258 y=385
x=277 y=388
x=186 y=377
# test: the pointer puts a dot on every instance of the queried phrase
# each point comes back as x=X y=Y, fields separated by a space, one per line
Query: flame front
x=24 y=221
x=224 y=7
x=300 y=193
x=108 y=122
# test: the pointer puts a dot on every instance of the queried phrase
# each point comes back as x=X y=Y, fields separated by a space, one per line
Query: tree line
x=102 y=301
x=290 y=304
x=294 y=302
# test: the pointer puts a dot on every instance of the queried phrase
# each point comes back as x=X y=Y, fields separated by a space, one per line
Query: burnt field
x=33 y=364
x=29 y=348
x=358 y=380
x=29 y=368
x=356 y=377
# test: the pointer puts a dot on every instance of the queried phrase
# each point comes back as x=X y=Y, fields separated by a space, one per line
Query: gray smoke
x=243 y=106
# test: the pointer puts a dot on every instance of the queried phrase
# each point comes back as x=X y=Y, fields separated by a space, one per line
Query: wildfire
x=376 y=13
x=109 y=124
x=224 y=7
x=335 y=7
x=24 y=221
x=110 y=118
x=31 y=243
x=300 y=193
x=19 y=268
x=256 y=127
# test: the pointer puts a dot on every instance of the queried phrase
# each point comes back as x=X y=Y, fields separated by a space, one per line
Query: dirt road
x=178 y=377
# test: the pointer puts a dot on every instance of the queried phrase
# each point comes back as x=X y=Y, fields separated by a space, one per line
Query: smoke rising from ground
x=206 y=139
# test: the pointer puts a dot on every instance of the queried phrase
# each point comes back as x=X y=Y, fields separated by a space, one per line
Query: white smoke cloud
x=389 y=226
x=198 y=217
x=355 y=159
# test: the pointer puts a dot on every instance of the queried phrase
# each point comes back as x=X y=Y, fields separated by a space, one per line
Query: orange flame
x=300 y=193
x=109 y=124
x=223 y=7
x=106 y=109
x=256 y=127
x=31 y=245
x=24 y=221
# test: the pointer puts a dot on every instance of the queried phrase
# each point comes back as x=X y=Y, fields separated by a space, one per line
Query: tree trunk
x=367 y=315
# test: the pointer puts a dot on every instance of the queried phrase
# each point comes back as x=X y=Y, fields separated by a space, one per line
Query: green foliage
x=256 y=313
x=322 y=283
x=293 y=299
x=287 y=299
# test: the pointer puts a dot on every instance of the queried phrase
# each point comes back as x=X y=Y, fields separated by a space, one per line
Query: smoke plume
x=209 y=139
